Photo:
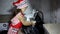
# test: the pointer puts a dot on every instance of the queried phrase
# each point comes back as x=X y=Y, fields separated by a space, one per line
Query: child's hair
x=16 y=12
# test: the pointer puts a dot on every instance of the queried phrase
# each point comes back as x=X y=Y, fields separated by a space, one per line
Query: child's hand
x=33 y=23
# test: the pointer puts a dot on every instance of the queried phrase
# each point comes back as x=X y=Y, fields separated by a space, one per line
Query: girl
x=22 y=18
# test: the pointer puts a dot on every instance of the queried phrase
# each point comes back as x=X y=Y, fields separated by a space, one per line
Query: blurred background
x=49 y=8
x=52 y=28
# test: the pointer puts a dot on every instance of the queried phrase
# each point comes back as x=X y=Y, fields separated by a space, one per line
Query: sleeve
x=15 y=25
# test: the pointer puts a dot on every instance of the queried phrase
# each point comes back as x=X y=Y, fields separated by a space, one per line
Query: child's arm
x=24 y=22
